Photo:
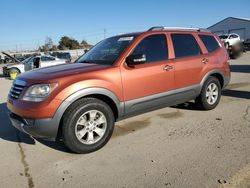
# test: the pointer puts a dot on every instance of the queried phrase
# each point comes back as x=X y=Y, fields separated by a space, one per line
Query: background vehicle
x=246 y=44
x=1 y=58
x=30 y=63
x=120 y=77
x=230 y=39
x=62 y=55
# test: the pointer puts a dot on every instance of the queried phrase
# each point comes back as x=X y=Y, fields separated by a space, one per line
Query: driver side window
x=154 y=47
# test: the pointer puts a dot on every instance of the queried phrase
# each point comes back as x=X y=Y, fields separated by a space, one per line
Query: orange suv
x=120 y=77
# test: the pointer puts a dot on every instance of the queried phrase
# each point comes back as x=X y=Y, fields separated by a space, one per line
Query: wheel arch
x=217 y=74
x=103 y=94
x=15 y=68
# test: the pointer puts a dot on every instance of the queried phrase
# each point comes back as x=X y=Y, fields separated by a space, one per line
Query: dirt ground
x=171 y=147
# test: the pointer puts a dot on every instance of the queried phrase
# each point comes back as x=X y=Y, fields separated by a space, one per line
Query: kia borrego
x=120 y=77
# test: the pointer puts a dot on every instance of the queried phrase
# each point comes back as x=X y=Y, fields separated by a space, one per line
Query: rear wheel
x=210 y=94
x=87 y=125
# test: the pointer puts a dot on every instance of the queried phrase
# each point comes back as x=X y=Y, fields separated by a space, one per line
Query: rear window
x=210 y=42
x=185 y=45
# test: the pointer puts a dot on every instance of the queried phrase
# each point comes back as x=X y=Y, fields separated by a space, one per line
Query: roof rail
x=178 y=28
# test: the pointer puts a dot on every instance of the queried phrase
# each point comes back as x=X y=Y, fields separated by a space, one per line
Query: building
x=239 y=26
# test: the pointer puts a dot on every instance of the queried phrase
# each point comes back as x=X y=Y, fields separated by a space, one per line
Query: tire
x=82 y=133
x=208 y=100
x=14 y=70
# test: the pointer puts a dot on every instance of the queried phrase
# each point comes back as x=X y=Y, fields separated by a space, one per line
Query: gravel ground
x=171 y=147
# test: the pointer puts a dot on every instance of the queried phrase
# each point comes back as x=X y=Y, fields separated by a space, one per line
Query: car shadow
x=187 y=106
x=227 y=92
x=8 y=132
x=57 y=145
x=236 y=93
x=5 y=77
x=240 y=68
x=11 y=134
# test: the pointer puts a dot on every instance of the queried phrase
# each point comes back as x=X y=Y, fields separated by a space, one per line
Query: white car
x=30 y=63
x=230 y=39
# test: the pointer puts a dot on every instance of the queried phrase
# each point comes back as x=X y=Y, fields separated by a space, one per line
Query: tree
x=85 y=45
x=84 y=42
x=68 y=43
x=48 y=42
x=54 y=48
x=48 y=45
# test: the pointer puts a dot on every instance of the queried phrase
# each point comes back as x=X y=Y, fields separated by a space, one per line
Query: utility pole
x=104 y=33
x=38 y=45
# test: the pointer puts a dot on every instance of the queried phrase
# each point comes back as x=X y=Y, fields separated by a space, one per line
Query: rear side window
x=185 y=45
x=210 y=42
x=154 y=47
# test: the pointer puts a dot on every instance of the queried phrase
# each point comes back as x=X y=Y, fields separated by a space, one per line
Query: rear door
x=189 y=60
x=212 y=46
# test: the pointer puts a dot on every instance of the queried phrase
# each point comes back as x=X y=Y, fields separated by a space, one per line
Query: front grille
x=27 y=122
x=16 y=89
x=17 y=117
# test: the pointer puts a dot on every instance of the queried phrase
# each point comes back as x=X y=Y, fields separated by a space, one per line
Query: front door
x=29 y=64
x=144 y=84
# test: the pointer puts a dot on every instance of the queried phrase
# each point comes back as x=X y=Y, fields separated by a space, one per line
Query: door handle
x=168 y=67
x=204 y=60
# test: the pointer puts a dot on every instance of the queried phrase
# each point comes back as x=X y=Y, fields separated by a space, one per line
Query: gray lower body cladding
x=169 y=98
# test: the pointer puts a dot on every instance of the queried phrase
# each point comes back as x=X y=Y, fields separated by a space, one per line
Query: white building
x=239 y=26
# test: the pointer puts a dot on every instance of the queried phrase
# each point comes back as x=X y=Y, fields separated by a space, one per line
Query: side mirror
x=136 y=59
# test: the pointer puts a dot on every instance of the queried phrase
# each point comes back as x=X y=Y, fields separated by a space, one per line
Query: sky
x=25 y=24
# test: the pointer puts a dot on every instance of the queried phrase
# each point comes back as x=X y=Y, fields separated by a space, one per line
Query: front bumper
x=5 y=71
x=37 y=128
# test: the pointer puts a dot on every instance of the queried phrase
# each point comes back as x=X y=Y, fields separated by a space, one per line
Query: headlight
x=39 y=92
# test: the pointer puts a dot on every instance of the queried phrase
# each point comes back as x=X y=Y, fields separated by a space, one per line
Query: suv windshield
x=223 y=36
x=107 y=51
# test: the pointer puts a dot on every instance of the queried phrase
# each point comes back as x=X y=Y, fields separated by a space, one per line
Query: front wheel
x=14 y=71
x=210 y=94
x=87 y=125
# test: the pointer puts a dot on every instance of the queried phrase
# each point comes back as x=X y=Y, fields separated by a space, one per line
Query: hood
x=59 y=71
x=14 y=65
x=12 y=57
